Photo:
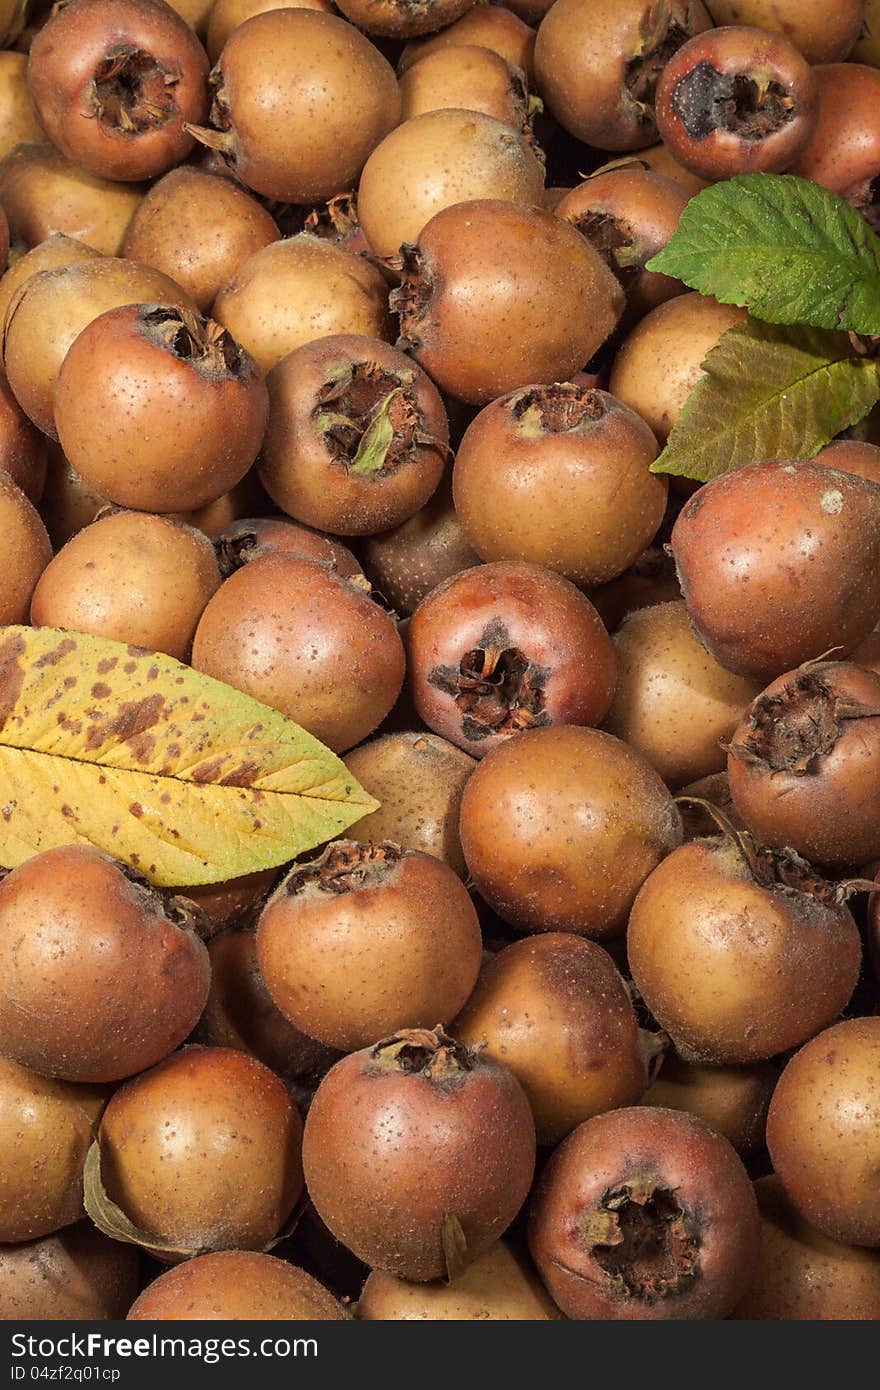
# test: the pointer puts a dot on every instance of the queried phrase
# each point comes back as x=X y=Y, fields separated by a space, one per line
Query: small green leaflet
x=376 y=439
x=788 y=249
x=769 y=392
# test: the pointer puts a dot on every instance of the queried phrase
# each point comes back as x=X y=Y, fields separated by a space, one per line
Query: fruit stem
x=221 y=140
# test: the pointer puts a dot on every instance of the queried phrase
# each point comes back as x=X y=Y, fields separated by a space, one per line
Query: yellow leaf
x=171 y=771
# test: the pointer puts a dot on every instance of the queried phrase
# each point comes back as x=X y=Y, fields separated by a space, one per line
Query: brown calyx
x=412 y=296
x=496 y=687
x=752 y=108
x=234 y=552
x=193 y=339
x=557 y=409
x=369 y=418
x=183 y=912
x=346 y=866
x=644 y=1239
x=132 y=91
x=662 y=35
x=427 y=1052
x=791 y=730
x=865 y=198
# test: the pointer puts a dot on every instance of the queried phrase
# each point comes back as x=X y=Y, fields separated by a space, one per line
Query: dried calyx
x=412 y=296
x=865 y=198
x=344 y=866
x=752 y=108
x=644 y=1239
x=662 y=34
x=556 y=409
x=495 y=686
x=427 y=1052
x=369 y=418
x=180 y=910
x=187 y=336
x=791 y=730
x=132 y=91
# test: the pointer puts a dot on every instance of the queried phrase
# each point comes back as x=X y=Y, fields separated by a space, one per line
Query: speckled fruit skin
x=732 y=1100
x=560 y=477
x=203 y=1152
x=778 y=563
x=500 y=1286
x=735 y=971
x=533 y=313
x=823 y=1131
x=292 y=633
x=43 y=193
x=823 y=33
x=352 y=944
x=711 y=1245
x=803 y=1276
x=79 y=43
x=406 y=563
x=470 y=78
x=484 y=26
x=28 y=551
x=844 y=153
x=485 y=618
x=389 y=1154
x=250 y=538
x=391 y=19
x=560 y=828
x=23 y=449
x=99 y=981
x=75 y=1275
x=556 y=1011
x=237 y=1284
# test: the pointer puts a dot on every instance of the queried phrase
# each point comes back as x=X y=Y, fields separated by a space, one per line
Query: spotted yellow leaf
x=175 y=773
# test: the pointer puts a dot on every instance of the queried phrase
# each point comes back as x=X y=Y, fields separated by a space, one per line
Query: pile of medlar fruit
x=332 y=366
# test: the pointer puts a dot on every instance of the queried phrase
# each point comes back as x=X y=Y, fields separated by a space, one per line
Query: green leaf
x=769 y=392
x=168 y=770
x=376 y=439
x=788 y=249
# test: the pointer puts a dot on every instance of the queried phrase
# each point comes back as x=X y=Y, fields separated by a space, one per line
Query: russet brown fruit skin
x=18 y=124
x=735 y=969
x=226 y=904
x=159 y=409
x=823 y=33
x=499 y=1287
x=391 y=1151
x=660 y=361
x=353 y=942
x=484 y=26
x=466 y=78
x=97 y=108
x=294 y=291
x=295 y=635
x=198 y=228
x=823 y=1131
x=227 y=15
x=250 y=538
x=100 y=981
x=436 y=160
x=560 y=828
x=50 y=311
x=314 y=473
x=542 y=310
x=559 y=476
x=844 y=153
x=43 y=193
x=852 y=456
x=779 y=562
x=203 y=1152
x=406 y=563
x=74 y=1275
x=658 y=160
x=555 y=1009
x=732 y=1100
x=867 y=47
x=132 y=577
x=68 y=503
x=505 y=647
x=684 y=1219
x=27 y=551
x=238 y=1284
x=390 y=19
x=300 y=100
x=673 y=701
x=804 y=763
x=23 y=449
x=56 y=251
x=418 y=780
x=801 y=1275
x=737 y=101
x=45 y=1133
x=583 y=58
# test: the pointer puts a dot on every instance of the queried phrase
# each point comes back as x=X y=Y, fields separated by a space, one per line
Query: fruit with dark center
x=740 y=952
x=114 y=83
x=104 y=975
x=561 y=827
x=645 y=1214
x=189 y=431
x=597 y=63
x=779 y=562
x=559 y=476
x=823 y=33
x=237 y=1284
x=530 y=314
x=198 y=229
x=27 y=548
x=23 y=451
x=485 y=26
x=823 y=1131
x=737 y=101
x=75 y=1275
x=203 y=1153
x=297 y=290
x=357 y=436
x=297 y=636
x=299 y=101
x=227 y=15
x=418 y=1153
x=253 y=537
x=556 y=1011
x=499 y=1286
x=18 y=124
x=43 y=193
x=435 y=161
x=418 y=780
x=406 y=563
x=133 y=577
x=673 y=701
x=391 y=19
x=732 y=1100
x=844 y=153
x=506 y=647
x=353 y=940
x=467 y=78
